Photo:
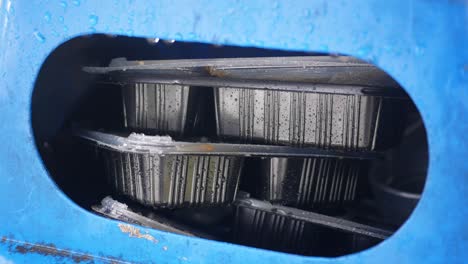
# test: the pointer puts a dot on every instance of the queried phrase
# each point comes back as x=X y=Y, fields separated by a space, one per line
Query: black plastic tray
x=325 y=120
x=311 y=182
x=158 y=108
x=261 y=224
x=157 y=171
x=327 y=102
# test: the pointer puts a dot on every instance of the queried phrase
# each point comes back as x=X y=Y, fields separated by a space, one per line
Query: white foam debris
x=150 y=139
x=112 y=205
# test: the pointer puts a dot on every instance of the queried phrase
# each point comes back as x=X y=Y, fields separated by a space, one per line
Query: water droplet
x=61 y=19
x=364 y=51
x=76 y=2
x=311 y=28
x=164 y=248
x=387 y=48
x=307 y=13
x=47 y=16
x=93 y=20
x=324 y=48
x=419 y=50
x=65 y=28
x=39 y=36
x=63 y=4
x=178 y=36
x=92 y=29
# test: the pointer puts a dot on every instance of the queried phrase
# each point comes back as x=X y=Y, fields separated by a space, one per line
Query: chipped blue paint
x=422 y=44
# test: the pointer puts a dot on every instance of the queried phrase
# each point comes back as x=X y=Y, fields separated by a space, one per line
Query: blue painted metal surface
x=422 y=44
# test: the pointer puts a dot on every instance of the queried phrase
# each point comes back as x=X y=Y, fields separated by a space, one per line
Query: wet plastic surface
x=160 y=172
x=311 y=182
x=261 y=224
x=350 y=122
x=317 y=69
x=173 y=180
x=163 y=179
x=159 y=108
x=323 y=101
x=164 y=145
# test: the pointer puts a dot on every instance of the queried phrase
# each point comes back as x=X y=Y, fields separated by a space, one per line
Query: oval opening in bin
x=295 y=152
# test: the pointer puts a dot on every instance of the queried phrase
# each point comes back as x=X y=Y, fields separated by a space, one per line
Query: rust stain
x=135 y=232
x=198 y=147
x=52 y=251
x=141 y=63
x=207 y=147
x=81 y=258
x=214 y=72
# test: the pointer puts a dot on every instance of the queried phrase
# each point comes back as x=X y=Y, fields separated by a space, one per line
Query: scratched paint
x=133 y=231
x=50 y=250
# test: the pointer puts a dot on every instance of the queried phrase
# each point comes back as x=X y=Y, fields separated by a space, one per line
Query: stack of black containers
x=284 y=142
